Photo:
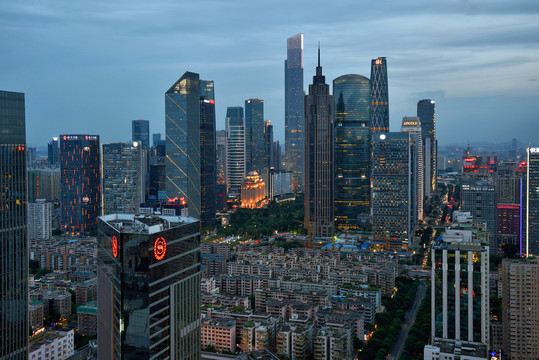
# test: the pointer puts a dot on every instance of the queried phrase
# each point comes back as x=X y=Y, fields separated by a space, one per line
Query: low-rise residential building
x=54 y=345
x=220 y=333
x=87 y=318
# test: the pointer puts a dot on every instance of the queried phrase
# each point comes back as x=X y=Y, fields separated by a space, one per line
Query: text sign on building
x=159 y=248
x=115 y=246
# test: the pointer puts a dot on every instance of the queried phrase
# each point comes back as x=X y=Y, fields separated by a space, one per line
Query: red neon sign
x=159 y=248
x=508 y=207
x=115 y=246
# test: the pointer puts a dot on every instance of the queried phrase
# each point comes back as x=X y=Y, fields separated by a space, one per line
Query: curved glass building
x=351 y=94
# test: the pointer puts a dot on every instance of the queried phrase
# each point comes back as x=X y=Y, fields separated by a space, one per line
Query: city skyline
x=469 y=69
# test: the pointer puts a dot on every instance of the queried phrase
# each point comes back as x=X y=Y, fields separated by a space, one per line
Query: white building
x=57 y=345
x=40 y=220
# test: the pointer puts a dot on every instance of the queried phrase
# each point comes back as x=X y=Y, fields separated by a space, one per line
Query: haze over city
x=92 y=67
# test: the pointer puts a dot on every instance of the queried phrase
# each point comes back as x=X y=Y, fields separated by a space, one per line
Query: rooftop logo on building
x=159 y=248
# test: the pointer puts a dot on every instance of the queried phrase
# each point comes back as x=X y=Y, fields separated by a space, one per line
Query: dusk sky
x=93 y=66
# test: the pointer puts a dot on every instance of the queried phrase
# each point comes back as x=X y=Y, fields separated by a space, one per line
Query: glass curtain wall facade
x=294 y=110
x=122 y=177
x=149 y=287
x=254 y=135
x=53 y=151
x=235 y=149
x=351 y=95
x=190 y=145
x=13 y=228
x=426 y=114
x=412 y=125
x=268 y=145
x=140 y=132
x=391 y=189
x=80 y=183
x=532 y=202
x=379 y=96
x=319 y=158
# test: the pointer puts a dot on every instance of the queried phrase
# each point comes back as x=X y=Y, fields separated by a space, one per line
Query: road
x=409 y=319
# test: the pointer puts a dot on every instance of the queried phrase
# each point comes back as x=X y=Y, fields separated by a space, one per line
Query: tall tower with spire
x=379 y=96
x=319 y=158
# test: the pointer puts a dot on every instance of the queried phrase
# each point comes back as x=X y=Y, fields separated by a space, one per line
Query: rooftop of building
x=461 y=347
x=220 y=322
x=263 y=354
x=145 y=224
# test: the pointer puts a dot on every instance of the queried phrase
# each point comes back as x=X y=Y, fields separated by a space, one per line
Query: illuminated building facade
x=13 y=228
x=509 y=197
x=294 y=110
x=80 y=183
x=460 y=286
x=532 y=202
x=235 y=149
x=379 y=96
x=149 y=287
x=412 y=125
x=427 y=116
x=253 y=191
x=391 y=177
x=254 y=135
x=520 y=301
x=140 y=132
x=319 y=157
x=123 y=177
x=190 y=145
x=479 y=198
x=351 y=95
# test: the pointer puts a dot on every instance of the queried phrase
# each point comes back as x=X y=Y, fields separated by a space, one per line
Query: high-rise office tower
x=427 y=116
x=53 y=152
x=254 y=135
x=351 y=95
x=479 y=198
x=149 y=287
x=80 y=183
x=412 y=125
x=379 y=96
x=123 y=178
x=460 y=294
x=13 y=228
x=532 y=202
x=40 y=220
x=391 y=177
x=140 y=132
x=520 y=301
x=319 y=172
x=190 y=145
x=235 y=149
x=277 y=155
x=294 y=109
x=509 y=197
x=268 y=145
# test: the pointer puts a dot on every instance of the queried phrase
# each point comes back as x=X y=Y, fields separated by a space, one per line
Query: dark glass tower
x=268 y=145
x=254 y=135
x=426 y=113
x=190 y=145
x=391 y=174
x=235 y=149
x=80 y=183
x=379 y=96
x=352 y=150
x=141 y=132
x=532 y=202
x=13 y=228
x=294 y=110
x=319 y=172
x=149 y=287
x=53 y=152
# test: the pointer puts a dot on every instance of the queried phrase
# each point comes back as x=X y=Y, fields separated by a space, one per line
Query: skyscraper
x=123 y=178
x=520 y=301
x=391 y=176
x=426 y=114
x=149 y=287
x=412 y=125
x=254 y=135
x=13 y=228
x=190 y=145
x=268 y=145
x=319 y=172
x=80 y=183
x=294 y=109
x=532 y=202
x=140 y=132
x=351 y=95
x=479 y=198
x=53 y=152
x=379 y=95
x=235 y=149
